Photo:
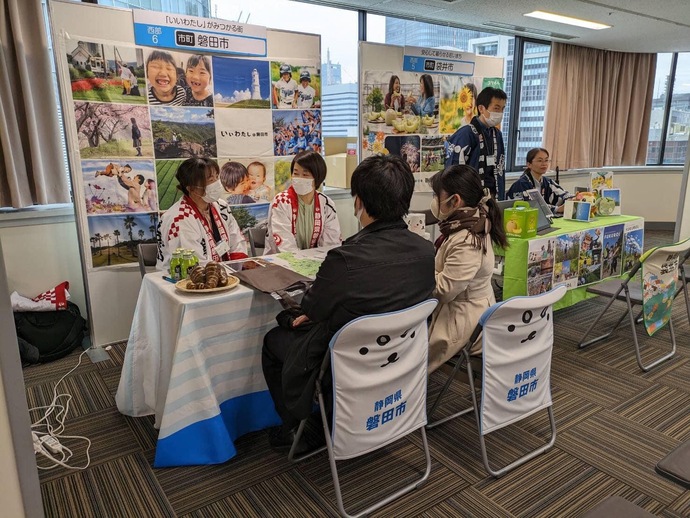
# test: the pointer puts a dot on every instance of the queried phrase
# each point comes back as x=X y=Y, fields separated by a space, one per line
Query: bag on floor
x=54 y=333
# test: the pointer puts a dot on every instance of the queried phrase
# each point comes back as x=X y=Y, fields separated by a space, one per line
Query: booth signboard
x=438 y=61
x=194 y=34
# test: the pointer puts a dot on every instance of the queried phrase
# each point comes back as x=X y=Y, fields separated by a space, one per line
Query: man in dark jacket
x=382 y=268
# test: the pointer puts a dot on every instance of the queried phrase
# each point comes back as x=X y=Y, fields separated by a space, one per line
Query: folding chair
x=379 y=368
x=684 y=279
x=517 y=339
x=257 y=240
x=147 y=256
x=658 y=287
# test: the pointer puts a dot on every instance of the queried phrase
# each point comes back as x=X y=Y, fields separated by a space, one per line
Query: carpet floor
x=614 y=424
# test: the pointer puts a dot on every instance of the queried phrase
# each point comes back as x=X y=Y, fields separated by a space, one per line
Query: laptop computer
x=544 y=217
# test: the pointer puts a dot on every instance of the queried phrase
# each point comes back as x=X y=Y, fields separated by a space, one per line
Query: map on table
x=303 y=266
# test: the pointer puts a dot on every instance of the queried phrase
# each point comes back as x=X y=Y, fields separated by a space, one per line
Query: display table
x=194 y=361
x=576 y=254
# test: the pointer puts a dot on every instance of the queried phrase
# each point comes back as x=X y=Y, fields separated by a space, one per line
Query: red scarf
x=209 y=232
x=318 y=219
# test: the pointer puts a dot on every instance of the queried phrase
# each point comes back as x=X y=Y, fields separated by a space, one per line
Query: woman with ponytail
x=470 y=222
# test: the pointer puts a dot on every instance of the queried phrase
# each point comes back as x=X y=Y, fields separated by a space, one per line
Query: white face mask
x=358 y=213
x=493 y=119
x=436 y=209
x=303 y=186
x=214 y=192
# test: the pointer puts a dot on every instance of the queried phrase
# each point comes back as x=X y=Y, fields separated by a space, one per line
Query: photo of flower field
x=97 y=73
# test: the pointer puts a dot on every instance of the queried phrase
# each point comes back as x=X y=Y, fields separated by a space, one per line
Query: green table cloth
x=593 y=248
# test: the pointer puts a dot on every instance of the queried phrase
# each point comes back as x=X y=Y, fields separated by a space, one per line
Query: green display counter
x=598 y=250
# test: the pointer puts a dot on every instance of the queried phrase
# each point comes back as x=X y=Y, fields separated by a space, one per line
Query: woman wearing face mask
x=200 y=220
x=470 y=222
x=301 y=217
x=534 y=177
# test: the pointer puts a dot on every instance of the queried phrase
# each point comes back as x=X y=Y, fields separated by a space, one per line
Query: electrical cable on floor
x=48 y=432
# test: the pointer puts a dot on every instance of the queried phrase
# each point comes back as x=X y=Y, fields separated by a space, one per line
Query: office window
x=678 y=127
x=535 y=75
x=338 y=50
x=662 y=85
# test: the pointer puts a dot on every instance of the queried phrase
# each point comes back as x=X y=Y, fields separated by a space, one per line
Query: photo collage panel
x=140 y=112
x=583 y=257
x=411 y=115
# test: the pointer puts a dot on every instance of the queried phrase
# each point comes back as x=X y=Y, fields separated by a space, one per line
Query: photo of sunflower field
x=457 y=106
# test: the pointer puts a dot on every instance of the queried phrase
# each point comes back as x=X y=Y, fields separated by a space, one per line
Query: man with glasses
x=534 y=177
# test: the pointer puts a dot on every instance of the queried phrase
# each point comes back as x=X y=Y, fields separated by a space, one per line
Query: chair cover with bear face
x=517 y=340
x=379 y=366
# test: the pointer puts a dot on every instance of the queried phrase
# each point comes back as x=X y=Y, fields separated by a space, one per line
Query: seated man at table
x=382 y=268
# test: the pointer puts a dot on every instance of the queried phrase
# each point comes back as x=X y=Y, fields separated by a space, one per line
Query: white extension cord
x=48 y=432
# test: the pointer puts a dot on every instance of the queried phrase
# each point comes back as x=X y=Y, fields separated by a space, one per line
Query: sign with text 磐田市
x=438 y=61
x=191 y=33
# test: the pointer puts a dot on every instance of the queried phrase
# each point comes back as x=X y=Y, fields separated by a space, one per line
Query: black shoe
x=281 y=440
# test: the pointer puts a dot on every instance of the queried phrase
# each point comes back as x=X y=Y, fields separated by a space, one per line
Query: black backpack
x=54 y=333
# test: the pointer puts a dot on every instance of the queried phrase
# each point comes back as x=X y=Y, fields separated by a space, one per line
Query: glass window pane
x=663 y=69
x=679 y=118
x=338 y=51
x=535 y=71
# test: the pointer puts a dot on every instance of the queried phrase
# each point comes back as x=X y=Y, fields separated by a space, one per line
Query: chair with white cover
x=147 y=256
x=661 y=280
x=379 y=369
x=517 y=340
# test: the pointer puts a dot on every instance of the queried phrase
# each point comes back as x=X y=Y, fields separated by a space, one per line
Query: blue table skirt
x=211 y=441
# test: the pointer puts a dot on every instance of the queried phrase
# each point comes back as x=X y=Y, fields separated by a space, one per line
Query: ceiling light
x=559 y=18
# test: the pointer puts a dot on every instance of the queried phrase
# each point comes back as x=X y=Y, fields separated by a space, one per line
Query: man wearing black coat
x=382 y=268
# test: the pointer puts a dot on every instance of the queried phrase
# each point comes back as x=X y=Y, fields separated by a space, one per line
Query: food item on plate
x=197 y=274
x=213 y=275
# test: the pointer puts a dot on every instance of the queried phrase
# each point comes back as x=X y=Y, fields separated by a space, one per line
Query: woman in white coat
x=200 y=221
x=470 y=221
x=301 y=217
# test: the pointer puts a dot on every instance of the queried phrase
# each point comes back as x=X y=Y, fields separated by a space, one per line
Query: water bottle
x=176 y=266
x=187 y=262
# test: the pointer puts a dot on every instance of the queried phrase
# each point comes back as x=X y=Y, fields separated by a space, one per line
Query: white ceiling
x=638 y=25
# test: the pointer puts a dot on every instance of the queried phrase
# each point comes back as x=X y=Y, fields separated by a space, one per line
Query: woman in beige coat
x=470 y=220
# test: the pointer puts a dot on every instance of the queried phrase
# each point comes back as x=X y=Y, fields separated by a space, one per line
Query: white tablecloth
x=194 y=360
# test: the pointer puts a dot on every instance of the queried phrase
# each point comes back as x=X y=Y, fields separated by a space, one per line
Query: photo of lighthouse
x=241 y=83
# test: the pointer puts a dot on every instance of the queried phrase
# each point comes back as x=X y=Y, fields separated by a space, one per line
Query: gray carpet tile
x=614 y=424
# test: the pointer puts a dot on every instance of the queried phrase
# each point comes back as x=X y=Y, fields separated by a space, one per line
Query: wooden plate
x=232 y=283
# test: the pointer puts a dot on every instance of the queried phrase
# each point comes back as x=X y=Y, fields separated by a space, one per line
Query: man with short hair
x=382 y=268
x=480 y=143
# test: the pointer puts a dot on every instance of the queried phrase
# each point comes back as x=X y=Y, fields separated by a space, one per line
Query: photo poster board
x=124 y=148
x=414 y=130
x=583 y=257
